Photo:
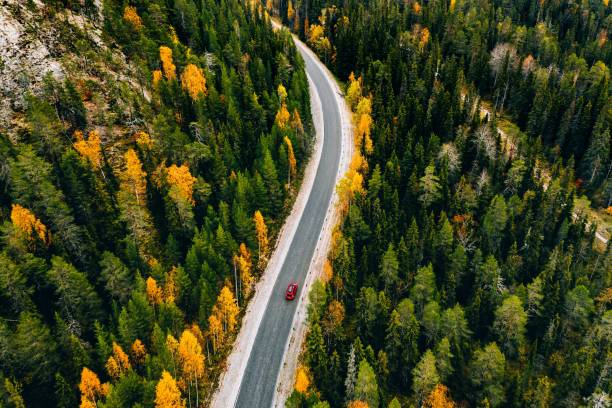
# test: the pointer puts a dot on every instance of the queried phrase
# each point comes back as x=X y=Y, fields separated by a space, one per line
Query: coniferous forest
x=463 y=274
x=140 y=197
x=143 y=189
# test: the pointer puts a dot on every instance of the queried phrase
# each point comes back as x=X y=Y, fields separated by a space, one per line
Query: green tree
x=487 y=372
x=366 y=387
x=509 y=325
x=425 y=376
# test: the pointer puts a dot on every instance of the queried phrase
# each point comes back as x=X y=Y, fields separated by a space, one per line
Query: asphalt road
x=259 y=381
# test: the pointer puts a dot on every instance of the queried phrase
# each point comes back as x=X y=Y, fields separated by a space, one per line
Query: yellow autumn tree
x=328 y=271
x=154 y=292
x=215 y=332
x=139 y=351
x=352 y=182
x=416 y=8
x=192 y=360
x=167 y=394
x=282 y=117
x=363 y=124
x=290 y=159
x=424 y=38
x=157 y=76
x=302 y=382
x=193 y=81
x=89 y=149
x=451 y=6
x=290 y=11
x=27 y=224
x=132 y=201
x=131 y=16
x=226 y=310
x=134 y=177
x=357 y=404
x=165 y=55
x=439 y=398
x=353 y=91
x=262 y=235
x=170 y=287
x=143 y=139
x=244 y=265
x=90 y=387
x=296 y=122
x=118 y=363
x=181 y=183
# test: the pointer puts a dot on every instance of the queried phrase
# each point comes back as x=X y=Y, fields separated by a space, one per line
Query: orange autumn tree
x=89 y=149
x=290 y=159
x=131 y=16
x=244 y=264
x=302 y=382
x=439 y=398
x=157 y=76
x=139 y=352
x=167 y=394
x=193 y=81
x=262 y=235
x=226 y=310
x=192 y=361
x=357 y=404
x=118 y=363
x=26 y=223
x=154 y=292
x=165 y=55
x=296 y=122
x=91 y=388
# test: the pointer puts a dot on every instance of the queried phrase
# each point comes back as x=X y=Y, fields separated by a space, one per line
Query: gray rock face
x=26 y=56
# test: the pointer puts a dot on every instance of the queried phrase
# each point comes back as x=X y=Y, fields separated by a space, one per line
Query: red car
x=291 y=291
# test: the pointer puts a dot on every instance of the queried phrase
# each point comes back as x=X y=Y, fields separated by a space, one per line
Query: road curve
x=259 y=380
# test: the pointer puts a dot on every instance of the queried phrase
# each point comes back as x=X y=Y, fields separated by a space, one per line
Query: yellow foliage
x=167 y=394
x=291 y=157
x=157 y=76
x=90 y=387
x=139 y=352
x=226 y=310
x=244 y=264
x=172 y=344
x=90 y=149
x=606 y=2
x=181 y=182
x=190 y=353
x=262 y=234
x=282 y=116
x=439 y=398
x=154 y=292
x=133 y=177
x=25 y=221
x=357 y=404
x=290 y=11
x=215 y=330
x=296 y=122
x=301 y=381
x=328 y=271
x=451 y=7
x=416 y=8
x=353 y=92
x=131 y=16
x=363 y=124
x=165 y=55
x=143 y=139
x=424 y=38
x=282 y=93
x=112 y=367
x=118 y=363
x=193 y=81
x=315 y=33
x=170 y=288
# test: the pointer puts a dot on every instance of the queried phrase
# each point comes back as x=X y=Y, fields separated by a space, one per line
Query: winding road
x=254 y=366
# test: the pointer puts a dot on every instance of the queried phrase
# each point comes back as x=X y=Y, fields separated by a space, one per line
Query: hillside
x=149 y=153
x=465 y=272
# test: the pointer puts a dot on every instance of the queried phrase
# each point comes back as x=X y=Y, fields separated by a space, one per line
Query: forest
x=140 y=197
x=462 y=274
